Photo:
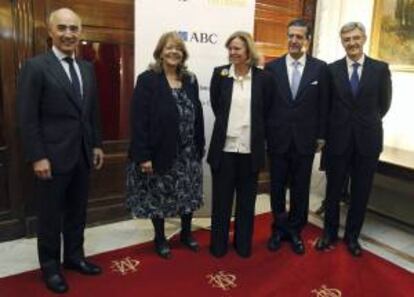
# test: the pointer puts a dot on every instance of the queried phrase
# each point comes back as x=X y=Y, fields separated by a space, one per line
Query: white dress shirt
x=350 y=62
x=238 y=127
x=289 y=65
x=65 y=65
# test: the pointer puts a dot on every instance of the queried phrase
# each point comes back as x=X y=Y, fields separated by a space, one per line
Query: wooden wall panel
x=116 y=14
x=23 y=30
x=271 y=20
x=11 y=178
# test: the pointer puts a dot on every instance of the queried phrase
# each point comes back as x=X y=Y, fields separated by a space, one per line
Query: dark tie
x=354 y=79
x=74 y=78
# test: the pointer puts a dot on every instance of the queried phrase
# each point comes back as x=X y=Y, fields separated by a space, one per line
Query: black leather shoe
x=218 y=254
x=297 y=244
x=56 y=283
x=273 y=244
x=354 y=248
x=243 y=254
x=190 y=242
x=163 y=249
x=84 y=267
x=324 y=243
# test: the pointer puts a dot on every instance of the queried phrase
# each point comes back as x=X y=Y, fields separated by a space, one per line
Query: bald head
x=65 y=29
x=63 y=13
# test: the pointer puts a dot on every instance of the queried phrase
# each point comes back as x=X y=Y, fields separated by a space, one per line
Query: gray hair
x=351 y=26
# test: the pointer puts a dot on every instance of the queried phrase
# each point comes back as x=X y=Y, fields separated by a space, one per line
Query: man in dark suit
x=296 y=130
x=58 y=109
x=361 y=96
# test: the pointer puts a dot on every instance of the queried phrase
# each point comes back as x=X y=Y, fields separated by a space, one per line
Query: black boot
x=160 y=242
x=185 y=237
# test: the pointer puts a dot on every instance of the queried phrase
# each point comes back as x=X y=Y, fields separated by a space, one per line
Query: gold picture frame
x=392 y=38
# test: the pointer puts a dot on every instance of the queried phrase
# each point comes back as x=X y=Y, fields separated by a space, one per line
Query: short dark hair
x=301 y=23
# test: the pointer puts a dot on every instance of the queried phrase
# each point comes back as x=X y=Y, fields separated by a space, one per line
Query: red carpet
x=137 y=271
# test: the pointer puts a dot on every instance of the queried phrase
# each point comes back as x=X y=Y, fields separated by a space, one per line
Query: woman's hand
x=146 y=167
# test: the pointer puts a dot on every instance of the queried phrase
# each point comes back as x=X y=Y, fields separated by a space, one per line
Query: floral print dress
x=177 y=191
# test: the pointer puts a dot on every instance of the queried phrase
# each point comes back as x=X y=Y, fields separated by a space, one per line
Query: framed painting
x=393 y=33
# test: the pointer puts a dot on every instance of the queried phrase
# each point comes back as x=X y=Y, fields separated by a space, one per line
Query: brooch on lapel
x=224 y=72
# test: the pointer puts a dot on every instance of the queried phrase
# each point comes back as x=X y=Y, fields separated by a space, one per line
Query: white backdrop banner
x=205 y=26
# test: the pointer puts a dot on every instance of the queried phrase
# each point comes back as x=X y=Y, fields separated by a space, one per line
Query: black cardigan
x=154 y=120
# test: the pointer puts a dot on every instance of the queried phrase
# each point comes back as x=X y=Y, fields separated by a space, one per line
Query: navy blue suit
x=293 y=127
x=355 y=140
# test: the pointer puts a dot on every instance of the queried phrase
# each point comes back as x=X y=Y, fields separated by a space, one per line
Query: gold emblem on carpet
x=125 y=266
x=324 y=291
x=222 y=280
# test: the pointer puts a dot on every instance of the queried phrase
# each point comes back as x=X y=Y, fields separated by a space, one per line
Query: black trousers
x=62 y=205
x=235 y=175
x=293 y=169
x=361 y=171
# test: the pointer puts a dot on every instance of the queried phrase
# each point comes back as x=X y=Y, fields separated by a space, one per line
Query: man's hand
x=320 y=143
x=98 y=158
x=146 y=167
x=42 y=169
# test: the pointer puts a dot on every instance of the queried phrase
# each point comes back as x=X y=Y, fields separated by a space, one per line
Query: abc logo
x=198 y=37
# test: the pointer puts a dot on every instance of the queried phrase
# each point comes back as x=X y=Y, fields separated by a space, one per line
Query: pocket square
x=314 y=83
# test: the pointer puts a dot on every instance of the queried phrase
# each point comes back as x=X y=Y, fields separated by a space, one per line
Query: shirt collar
x=60 y=55
x=290 y=60
x=232 y=73
x=350 y=62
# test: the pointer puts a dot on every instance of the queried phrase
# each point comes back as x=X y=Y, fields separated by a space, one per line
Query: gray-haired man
x=361 y=96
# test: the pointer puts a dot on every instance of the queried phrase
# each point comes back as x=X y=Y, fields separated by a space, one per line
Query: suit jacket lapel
x=365 y=74
x=255 y=92
x=284 y=84
x=345 y=85
x=166 y=95
x=61 y=76
x=227 y=89
x=85 y=83
x=306 y=78
x=189 y=88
